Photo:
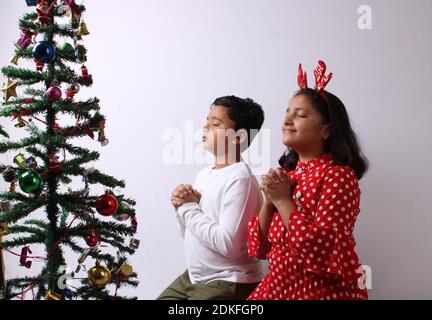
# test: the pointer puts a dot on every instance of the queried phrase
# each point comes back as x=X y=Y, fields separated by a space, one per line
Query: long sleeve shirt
x=215 y=229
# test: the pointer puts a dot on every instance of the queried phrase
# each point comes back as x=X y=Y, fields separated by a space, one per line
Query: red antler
x=302 y=77
x=321 y=80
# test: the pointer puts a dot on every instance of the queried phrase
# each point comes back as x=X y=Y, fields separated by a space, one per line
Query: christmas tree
x=40 y=208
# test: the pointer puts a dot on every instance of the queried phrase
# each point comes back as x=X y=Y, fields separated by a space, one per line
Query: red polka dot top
x=314 y=256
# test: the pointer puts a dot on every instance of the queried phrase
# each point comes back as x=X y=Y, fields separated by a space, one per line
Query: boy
x=213 y=215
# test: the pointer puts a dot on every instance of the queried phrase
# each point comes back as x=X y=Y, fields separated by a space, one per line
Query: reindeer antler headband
x=321 y=80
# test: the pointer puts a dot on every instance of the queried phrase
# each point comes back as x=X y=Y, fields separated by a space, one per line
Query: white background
x=159 y=63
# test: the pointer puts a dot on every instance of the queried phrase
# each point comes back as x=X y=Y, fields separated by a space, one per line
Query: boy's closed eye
x=214 y=121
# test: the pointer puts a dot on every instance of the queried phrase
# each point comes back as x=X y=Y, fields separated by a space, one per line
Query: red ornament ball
x=134 y=224
x=106 y=205
x=92 y=241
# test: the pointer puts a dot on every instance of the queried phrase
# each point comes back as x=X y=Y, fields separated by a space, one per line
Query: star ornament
x=9 y=89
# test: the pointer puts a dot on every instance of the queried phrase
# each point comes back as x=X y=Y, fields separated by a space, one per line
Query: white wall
x=160 y=63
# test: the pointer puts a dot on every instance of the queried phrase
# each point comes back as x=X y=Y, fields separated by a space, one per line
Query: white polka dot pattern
x=314 y=257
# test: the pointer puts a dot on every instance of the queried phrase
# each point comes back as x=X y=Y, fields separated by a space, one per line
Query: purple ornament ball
x=54 y=93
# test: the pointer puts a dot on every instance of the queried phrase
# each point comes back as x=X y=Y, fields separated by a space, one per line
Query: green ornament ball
x=67 y=48
x=30 y=181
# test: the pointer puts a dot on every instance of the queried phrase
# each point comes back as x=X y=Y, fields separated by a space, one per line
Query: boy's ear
x=241 y=136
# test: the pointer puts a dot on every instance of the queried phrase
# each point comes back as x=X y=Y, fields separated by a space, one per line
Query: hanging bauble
x=71 y=90
x=92 y=240
x=99 y=275
x=134 y=224
x=68 y=293
x=54 y=93
x=9 y=174
x=106 y=204
x=30 y=181
x=44 y=52
x=126 y=270
x=31 y=3
x=67 y=49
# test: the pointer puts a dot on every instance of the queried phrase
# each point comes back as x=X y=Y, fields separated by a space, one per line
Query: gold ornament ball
x=126 y=270
x=99 y=275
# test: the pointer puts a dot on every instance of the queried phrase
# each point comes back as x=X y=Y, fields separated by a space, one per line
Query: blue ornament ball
x=44 y=52
x=68 y=293
x=31 y=3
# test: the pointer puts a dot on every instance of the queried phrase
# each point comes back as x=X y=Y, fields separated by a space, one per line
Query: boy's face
x=219 y=132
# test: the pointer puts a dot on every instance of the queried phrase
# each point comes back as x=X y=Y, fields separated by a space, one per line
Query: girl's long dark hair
x=342 y=144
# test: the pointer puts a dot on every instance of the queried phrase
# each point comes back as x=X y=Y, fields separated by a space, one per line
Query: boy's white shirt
x=215 y=230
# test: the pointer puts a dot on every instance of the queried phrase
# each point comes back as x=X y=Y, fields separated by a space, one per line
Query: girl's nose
x=288 y=120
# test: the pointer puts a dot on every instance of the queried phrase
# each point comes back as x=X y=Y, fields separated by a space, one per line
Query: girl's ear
x=325 y=131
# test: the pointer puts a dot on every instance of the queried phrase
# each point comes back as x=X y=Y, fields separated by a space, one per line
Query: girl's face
x=217 y=131
x=303 y=129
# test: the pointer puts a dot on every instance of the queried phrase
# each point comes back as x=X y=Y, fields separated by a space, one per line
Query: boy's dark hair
x=342 y=144
x=245 y=113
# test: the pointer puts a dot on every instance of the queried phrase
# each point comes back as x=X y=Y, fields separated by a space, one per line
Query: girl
x=305 y=226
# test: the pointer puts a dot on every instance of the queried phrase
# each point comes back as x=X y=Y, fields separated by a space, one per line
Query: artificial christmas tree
x=40 y=208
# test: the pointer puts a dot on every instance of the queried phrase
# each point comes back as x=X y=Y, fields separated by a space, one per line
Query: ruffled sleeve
x=325 y=245
x=257 y=247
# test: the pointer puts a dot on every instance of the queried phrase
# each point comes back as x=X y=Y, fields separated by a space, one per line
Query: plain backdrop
x=158 y=64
